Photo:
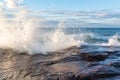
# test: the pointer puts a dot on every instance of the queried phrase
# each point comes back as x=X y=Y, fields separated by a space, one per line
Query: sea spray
x=21 y=31
x=60 y=40
x=113 y=41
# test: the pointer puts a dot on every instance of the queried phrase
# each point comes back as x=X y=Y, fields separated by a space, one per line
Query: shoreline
x=74 y=63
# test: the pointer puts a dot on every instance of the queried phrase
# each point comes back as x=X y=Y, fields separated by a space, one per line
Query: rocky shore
x=74 y=63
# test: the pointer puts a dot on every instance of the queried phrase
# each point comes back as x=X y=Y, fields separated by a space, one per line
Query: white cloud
x=1 y=4
x=11 y=4
x=20 y=0
x=96 y=18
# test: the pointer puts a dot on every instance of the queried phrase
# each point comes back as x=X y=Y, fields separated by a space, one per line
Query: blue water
x=94 y=35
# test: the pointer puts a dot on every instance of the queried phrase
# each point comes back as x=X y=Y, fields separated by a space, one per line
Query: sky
x=98 y=13
x=105 y=13
x=73 y=5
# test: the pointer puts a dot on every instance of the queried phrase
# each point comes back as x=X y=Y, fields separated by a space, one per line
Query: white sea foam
x=113 y=41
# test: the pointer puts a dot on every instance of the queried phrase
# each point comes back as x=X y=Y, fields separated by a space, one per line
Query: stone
x=68 y=64
x=93 y=56
x=98 y=72
x=115 y=64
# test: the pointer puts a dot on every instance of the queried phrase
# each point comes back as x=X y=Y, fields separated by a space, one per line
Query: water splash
x=113 y=41
x=20 y=31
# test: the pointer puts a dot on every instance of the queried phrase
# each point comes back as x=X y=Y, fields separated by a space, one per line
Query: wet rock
x=98 y=72
x=68 y=76
x=68 y=64
x=118 y=54
x=111 y=78
x=93 y=64
x=115 y=64
x=93 y=56
x=112 y=52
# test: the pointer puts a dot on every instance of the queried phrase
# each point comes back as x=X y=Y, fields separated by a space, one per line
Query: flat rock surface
x=74 y=63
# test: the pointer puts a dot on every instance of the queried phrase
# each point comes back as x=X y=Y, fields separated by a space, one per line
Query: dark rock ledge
x=68 y=64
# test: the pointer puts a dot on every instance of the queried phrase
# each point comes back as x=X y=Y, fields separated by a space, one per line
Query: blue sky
x=98 y=13
x=73 y=5
x=89 y=13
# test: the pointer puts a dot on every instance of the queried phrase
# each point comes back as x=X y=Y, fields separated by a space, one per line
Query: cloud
x=1 y=4
x=11 y=4
x=88 y=18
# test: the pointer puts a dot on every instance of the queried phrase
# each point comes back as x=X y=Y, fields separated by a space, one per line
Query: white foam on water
x=113 y=41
